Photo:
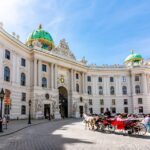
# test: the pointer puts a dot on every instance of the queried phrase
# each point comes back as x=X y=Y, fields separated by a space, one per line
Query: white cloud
x=15 y=14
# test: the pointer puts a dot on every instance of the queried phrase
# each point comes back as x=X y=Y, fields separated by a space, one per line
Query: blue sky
x=104 y=31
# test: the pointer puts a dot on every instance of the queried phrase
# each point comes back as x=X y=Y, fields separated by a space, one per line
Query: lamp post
x=2 y=94
x=29 y=118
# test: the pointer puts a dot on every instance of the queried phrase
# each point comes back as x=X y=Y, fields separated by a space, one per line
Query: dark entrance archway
x=63 y=102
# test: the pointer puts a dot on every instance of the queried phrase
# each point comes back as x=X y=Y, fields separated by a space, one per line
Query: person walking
x=147 y=122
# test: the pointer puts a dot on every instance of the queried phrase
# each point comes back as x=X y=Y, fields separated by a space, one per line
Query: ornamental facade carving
x=63 y=50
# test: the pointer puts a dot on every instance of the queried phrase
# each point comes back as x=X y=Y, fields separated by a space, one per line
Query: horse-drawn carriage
x=105 y=124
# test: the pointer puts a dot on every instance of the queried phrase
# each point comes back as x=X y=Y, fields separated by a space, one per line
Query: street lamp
x=2 y=94
x=29 y=118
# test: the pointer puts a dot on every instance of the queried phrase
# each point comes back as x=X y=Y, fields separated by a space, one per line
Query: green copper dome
x=42 y=36
x=133 y=57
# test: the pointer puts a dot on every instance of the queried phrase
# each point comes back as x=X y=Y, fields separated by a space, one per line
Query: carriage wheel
x=140 y=129
x=128 y=130
x=110 y=128
x=101 y=128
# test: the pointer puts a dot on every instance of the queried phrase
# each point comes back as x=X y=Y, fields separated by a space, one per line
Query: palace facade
x=58 y=84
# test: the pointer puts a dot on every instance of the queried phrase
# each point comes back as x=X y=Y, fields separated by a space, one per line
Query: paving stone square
x=70 y=134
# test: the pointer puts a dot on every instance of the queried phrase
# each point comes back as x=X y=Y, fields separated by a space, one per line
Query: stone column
x=133 y=104
x=55 y=75
x=133 y=83
x=72 y=85
x=52 y=76
x=144 y=83
x=85 y=82
x=35 y=72
x=39 y=72
x=74 y=80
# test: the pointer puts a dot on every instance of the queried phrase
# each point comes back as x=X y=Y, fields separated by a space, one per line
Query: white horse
x=89 y=121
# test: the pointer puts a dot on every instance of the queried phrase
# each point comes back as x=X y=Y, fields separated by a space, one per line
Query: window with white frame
x=140 y=101
x=100 y=90
x=123 y=79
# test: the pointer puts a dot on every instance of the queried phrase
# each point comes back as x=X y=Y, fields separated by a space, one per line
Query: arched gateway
x=63 y=101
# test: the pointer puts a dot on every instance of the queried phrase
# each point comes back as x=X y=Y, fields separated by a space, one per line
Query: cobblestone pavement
x=70 y=134
x=15 y=125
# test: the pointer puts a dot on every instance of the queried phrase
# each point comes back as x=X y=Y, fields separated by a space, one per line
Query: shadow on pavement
x=42 y=137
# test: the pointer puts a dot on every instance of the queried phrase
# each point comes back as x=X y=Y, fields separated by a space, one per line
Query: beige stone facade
x=88 y=88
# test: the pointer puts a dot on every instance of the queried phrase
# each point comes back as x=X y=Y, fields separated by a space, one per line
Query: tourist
x=107 y=113
x=147 y=122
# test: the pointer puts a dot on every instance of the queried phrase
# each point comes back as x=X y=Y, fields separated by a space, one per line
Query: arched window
x=6 y=74
x=44 y=82
x=137 y=89
x=77 y=87
x=23 y=79
x=112 y=90
x=124 y=90
x=23 y=109
x=100 y=90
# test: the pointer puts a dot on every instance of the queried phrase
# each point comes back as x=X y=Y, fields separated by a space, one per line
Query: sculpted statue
x=83 y=60
x=37 y=43
x=63 y=44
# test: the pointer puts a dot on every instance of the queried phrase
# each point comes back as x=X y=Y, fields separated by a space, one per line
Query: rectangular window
x=81 y=99
x=44 y=68
x=90 y=102
x=137 y=78
x=23 y=62
x=125 y=102
x=101 y=110
x=7 y=54
x=140 y=109
x=100 y=90
x=89 y=90
x=77 y=76
x=123 y=79
x=113 y=102
x=23 y=96
x=140 y=101
x=113 y=109
x=126 y=110
x=100 y=79
x=91 y=110
x=89 y=78
x=111 y=79
x=101 y=102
